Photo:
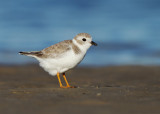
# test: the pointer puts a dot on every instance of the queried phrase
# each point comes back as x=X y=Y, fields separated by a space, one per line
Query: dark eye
x=84 y=39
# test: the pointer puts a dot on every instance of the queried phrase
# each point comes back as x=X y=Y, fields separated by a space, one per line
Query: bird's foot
x=67 y=87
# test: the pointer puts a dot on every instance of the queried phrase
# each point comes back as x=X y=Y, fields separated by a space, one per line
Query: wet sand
x=105 y=90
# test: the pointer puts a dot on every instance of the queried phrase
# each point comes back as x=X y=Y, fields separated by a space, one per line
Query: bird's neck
x=83 y=48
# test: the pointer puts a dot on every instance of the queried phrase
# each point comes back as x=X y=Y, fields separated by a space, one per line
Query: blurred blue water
x=127 y=31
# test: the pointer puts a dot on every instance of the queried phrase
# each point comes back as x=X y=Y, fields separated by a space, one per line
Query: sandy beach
x=102 y=90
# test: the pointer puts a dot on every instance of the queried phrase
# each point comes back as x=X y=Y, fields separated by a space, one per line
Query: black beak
x=93 y=43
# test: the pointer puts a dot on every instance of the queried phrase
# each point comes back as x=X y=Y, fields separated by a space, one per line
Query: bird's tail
x=32 y=53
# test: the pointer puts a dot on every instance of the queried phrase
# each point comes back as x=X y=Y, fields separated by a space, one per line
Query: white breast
x=66 y=62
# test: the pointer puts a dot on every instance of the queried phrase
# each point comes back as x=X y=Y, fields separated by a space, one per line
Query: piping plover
x=63 y=56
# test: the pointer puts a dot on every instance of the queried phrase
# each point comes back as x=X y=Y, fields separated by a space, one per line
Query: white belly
x=62 y=64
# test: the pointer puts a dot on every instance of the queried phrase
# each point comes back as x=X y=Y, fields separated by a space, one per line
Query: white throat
x=83 y=47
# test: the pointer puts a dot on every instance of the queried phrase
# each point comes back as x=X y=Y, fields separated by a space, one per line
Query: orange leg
x=67 y=84
x=60 y=83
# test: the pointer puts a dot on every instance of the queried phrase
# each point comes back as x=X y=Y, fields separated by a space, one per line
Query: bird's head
x=84 y=40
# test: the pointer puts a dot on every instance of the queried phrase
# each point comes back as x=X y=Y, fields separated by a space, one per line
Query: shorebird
x=63 y=56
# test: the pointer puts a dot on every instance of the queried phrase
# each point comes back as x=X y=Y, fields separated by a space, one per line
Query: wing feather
x=57 y=49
